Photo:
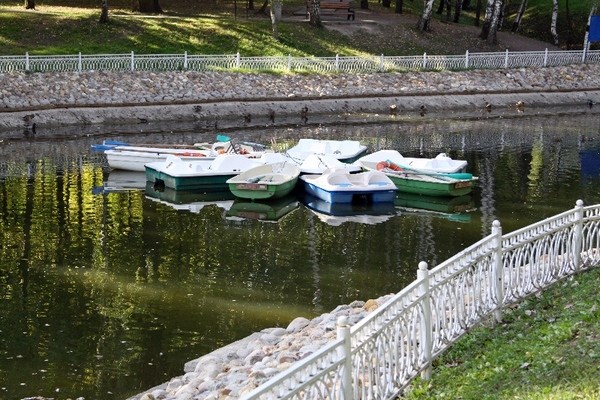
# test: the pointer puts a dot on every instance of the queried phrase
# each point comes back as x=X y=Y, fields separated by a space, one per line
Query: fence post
x=498 y=271
x=506 y=59
x=345 y=352
x=79 y=63
x=424 y=60
x=381 y=63
x=578 y=234
x=132 y=62
x=26 y=61
x=423 y=277
x=546 y=58
x=185 y=60
x=237 y=60
x=289 y=62
x=337 y=62
x=467 y=59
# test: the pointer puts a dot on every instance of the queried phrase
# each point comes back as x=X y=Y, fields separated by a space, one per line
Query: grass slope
x=548 y=347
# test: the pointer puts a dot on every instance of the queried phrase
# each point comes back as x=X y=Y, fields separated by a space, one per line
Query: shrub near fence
x=370 y=64
x=378 y=357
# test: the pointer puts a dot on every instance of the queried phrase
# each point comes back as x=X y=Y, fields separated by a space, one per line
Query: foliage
x=546 y=348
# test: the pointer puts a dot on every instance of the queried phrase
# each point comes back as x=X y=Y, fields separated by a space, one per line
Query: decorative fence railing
x=378 y=357
x=182 y=62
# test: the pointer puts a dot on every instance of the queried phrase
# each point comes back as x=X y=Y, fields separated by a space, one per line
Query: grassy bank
x=227 y=27
x=548 y=347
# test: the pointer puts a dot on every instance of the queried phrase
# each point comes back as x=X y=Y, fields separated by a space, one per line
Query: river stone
x=298 y=324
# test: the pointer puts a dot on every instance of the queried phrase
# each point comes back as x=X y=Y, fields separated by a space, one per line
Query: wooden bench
x=343 y=5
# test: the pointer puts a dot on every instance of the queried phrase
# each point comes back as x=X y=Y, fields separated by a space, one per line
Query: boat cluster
x=326 y=173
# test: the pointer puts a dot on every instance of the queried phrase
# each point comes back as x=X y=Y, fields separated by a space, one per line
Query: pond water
x=107 y=287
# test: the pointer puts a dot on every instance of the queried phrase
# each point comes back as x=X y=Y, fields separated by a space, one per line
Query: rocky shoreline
x=224 y=99
x=237 y=369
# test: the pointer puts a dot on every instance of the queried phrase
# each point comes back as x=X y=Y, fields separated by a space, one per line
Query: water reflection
x=108 y=286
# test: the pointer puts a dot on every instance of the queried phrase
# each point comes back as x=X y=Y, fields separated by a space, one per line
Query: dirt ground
x=443 y=38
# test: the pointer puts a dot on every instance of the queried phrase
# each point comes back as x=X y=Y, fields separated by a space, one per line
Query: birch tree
x=553 y=24
x=492 y=20
x=425 y=19
x=275 y=16
x=519 y=16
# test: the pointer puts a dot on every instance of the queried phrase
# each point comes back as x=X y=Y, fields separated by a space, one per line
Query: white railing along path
x=364 y=64
x=379 y=356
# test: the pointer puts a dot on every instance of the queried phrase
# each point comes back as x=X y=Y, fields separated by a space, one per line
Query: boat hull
x=350 y=196
x=428 y=184
x=269 y=181
x=205 y=183
x=129 y=158
x=432 y=188
x=259 y=191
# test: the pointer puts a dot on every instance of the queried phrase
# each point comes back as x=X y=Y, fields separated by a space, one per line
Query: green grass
x=548 y=347
x=66 y=30
x=218 y=28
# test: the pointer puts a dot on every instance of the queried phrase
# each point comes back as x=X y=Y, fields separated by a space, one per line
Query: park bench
x=341 y=5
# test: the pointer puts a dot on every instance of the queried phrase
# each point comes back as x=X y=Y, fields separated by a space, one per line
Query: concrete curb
x=281 y=112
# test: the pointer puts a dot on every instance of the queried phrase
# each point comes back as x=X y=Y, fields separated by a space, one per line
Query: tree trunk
x=399 y=5
x=275 y=16
x=457 y=10
x=553 y=24
x=262 y=9
x=495 y=22
x=250 y=4
x=478 y=13
x=519 y=16
x=448 y=11
x=569 y=26
x=425 y=19
x=104 y=14
x=487 y=20
x=364 y=4
x=314 y=13
x=386 y=3
x=440 y=9
x=150 y=6
x=30 y=4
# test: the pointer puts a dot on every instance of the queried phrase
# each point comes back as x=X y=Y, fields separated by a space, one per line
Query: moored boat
x=133 y=158
x=441 y=163
x=317 y=164
x=202 y=175
x=342 y=150
x=340 y=186
x=267 y=181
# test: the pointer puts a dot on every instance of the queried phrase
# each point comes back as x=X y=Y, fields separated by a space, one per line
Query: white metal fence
x=378 y=357
x=181 y=62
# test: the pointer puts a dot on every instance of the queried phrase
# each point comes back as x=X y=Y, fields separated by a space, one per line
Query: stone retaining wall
x=247 y=99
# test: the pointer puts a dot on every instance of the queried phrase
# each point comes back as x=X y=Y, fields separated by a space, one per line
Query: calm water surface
x=107 y=287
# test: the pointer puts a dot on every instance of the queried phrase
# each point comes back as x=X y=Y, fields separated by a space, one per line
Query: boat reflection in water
x=192 y=201
x=122 y=181
x=453 y=208
x=268 y=211
x=335 y=214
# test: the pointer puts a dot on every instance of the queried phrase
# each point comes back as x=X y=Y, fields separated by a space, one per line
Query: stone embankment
x=238 y=368
x=247 y=99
